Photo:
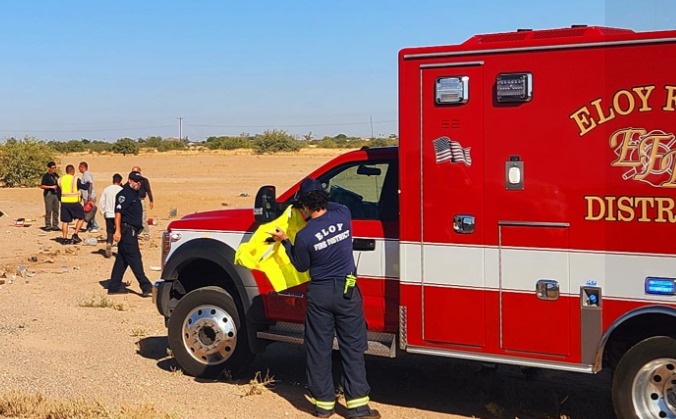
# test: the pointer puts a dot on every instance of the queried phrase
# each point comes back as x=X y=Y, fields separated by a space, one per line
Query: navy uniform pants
x=328 y=312
x=128 y=254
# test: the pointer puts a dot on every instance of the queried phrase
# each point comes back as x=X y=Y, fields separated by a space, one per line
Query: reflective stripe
x=324 y=405
x=69 y=192
x=354 y=403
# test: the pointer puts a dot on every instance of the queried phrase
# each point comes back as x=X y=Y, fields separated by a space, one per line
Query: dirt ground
x=53 y=342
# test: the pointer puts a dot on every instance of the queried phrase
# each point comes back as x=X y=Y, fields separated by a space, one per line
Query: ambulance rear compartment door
x=453 y=297
x=535 y=297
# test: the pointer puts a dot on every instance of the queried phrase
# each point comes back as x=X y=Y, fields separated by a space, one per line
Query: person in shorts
x=71 y=209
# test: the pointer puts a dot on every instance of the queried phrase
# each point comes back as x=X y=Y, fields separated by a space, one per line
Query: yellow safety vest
x=271 y=258
x=70 y=194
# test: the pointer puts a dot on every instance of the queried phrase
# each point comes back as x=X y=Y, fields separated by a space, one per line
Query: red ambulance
x=527 y=217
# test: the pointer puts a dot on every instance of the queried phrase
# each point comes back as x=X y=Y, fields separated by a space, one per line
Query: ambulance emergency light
x=451 y=90
x=660 y=286
x=514 y=87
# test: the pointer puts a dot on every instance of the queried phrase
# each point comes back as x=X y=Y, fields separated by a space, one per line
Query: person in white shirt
x=107 y=209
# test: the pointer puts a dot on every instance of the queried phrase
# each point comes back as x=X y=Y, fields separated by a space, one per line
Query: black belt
x=126 y=226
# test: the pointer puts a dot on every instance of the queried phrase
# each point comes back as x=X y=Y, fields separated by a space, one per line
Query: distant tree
x=57 y=146
x=152 y=142
x=74 y=146
x=275 y=141
x=167 y=144
x=98 y=146
x=125 y=146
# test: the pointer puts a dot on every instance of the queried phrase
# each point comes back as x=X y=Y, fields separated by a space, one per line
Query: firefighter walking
x=334 y=303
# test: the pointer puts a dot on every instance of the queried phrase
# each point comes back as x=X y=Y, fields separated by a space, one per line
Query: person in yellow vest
x=71 y=209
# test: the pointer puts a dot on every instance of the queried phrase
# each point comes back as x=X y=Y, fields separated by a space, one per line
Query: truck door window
x=363 y=188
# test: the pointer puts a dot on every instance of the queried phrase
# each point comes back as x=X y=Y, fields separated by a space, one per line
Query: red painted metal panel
x=536 y=326
x=452 y=173
x=411 y=297
x=529 y=324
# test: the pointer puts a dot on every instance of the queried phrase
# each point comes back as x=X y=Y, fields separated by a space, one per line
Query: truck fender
x=221 y=254
x=649 y=310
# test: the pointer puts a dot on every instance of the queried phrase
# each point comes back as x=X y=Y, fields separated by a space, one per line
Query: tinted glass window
x=368 y=190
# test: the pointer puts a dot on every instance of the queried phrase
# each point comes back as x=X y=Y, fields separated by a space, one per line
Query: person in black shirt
x=128 y=225
x=334 y=302
x=50 y=187
x=143 y=192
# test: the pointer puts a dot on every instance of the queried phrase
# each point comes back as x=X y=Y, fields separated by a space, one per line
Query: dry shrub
x=102 y=302
x=35 y=405
x=138 y=331
x=259 y=383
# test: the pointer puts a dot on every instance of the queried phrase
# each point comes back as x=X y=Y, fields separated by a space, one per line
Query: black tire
x=206 y=335
x=644 y=380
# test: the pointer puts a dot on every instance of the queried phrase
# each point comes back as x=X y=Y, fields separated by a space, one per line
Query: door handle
x=364 y=244
x=463 y=223
x=547 y=289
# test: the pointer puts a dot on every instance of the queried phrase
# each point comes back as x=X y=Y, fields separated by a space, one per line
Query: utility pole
x=180 y=128
x=371 y=126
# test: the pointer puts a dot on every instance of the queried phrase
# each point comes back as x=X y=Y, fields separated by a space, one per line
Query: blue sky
x=106 y=70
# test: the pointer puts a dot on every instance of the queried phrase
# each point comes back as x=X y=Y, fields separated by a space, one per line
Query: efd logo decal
x=649 y=156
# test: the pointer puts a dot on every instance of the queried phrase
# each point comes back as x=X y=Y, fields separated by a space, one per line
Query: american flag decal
x=447 y=150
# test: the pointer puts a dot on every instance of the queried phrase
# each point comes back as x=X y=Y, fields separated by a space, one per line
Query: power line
x=371 y=122
x=87 y=130
x=293 y=125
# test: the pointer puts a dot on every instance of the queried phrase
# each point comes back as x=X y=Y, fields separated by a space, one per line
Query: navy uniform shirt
x=144 y=190
x=128 y=203
x=324 y=245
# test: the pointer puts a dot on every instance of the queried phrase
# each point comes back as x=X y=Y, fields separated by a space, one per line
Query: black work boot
x=372 y=414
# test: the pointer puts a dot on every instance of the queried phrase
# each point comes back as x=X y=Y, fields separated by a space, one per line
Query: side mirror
x=265 y=206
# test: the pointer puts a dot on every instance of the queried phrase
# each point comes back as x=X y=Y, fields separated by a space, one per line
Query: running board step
x=379 y=344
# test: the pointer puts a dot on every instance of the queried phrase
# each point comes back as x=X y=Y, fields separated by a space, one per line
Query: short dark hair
x=70 y=168
x=315 y=200
x=117 y=178
x=51 y=164
x=84 y=164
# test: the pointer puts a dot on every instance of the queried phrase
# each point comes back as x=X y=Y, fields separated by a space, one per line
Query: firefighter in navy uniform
x=334 y=302
x=128 y=225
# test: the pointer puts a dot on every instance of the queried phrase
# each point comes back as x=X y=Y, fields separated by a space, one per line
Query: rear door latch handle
x=463 y=224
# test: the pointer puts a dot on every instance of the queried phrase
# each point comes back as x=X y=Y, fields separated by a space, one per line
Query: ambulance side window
x=368 y=189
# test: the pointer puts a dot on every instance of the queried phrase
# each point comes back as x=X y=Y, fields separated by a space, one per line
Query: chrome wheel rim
x=209 y=334
x=654 y=389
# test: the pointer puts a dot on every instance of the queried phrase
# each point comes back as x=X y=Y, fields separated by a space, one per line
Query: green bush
x=167 y=145
x=97 y=146
x=383 y=142
x=340 y=141
x=275 y=141
x=151 y=142
x=227 y=143
x=23 y=162
x=125 y=146
x=75 y=146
